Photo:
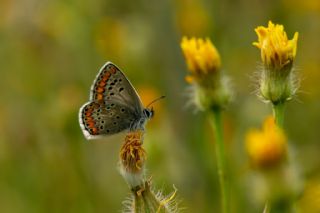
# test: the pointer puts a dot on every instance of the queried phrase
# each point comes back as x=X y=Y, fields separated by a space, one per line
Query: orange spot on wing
x=94 y=130
x=113 y=70
x=100 y=89
x=89 y=119
x=91 y=124
x=107 y=75
x=102 y=83
x=89 y=110
x=99 y=96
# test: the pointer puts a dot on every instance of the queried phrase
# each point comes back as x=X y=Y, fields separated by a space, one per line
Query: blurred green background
x=50 y=52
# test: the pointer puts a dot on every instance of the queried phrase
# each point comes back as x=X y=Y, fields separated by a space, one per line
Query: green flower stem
x=278 y=112
x=221 y=158
x=284 y=205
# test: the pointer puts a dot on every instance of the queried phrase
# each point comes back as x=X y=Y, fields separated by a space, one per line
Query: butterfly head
x=148 y=113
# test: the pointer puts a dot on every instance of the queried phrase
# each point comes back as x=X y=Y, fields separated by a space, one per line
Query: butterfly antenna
x=157 y=99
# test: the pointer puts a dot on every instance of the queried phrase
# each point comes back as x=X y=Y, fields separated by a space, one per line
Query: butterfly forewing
x=111 y=85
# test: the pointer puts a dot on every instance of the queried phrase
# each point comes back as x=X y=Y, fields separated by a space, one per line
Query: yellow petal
x=202 y=58
x=276 y=50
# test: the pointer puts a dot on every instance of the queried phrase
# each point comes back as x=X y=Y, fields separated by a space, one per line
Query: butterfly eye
x=148 y=113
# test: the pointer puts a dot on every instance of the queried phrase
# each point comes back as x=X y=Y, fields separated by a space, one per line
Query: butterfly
x=114 y=105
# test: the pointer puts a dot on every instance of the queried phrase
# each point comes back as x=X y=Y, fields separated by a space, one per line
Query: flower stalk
x=277 y=84
x=221 y=158
x=211 y=94
x=132 y=168
x=278 y=113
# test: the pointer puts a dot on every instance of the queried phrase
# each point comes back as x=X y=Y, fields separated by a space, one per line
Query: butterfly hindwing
x=99 y=118
x=112 y=85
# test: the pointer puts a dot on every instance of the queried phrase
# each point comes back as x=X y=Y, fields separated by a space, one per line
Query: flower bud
x=211 y=88
x=277 y=83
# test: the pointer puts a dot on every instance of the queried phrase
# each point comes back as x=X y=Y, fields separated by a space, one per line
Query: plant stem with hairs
x=132 y=163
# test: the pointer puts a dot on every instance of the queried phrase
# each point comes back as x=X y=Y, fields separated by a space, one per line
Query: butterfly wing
x=112 y=86
x=99 y=118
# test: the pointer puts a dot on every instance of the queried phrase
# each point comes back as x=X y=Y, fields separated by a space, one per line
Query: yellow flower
x=210 y=88
x=276 y=50
x=202 y=57
x=277 y=83
x=266 y=148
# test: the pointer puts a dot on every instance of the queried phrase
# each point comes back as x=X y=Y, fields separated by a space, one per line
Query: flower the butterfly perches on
x=132 y=158
x=132 y=168
x=114 y=105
